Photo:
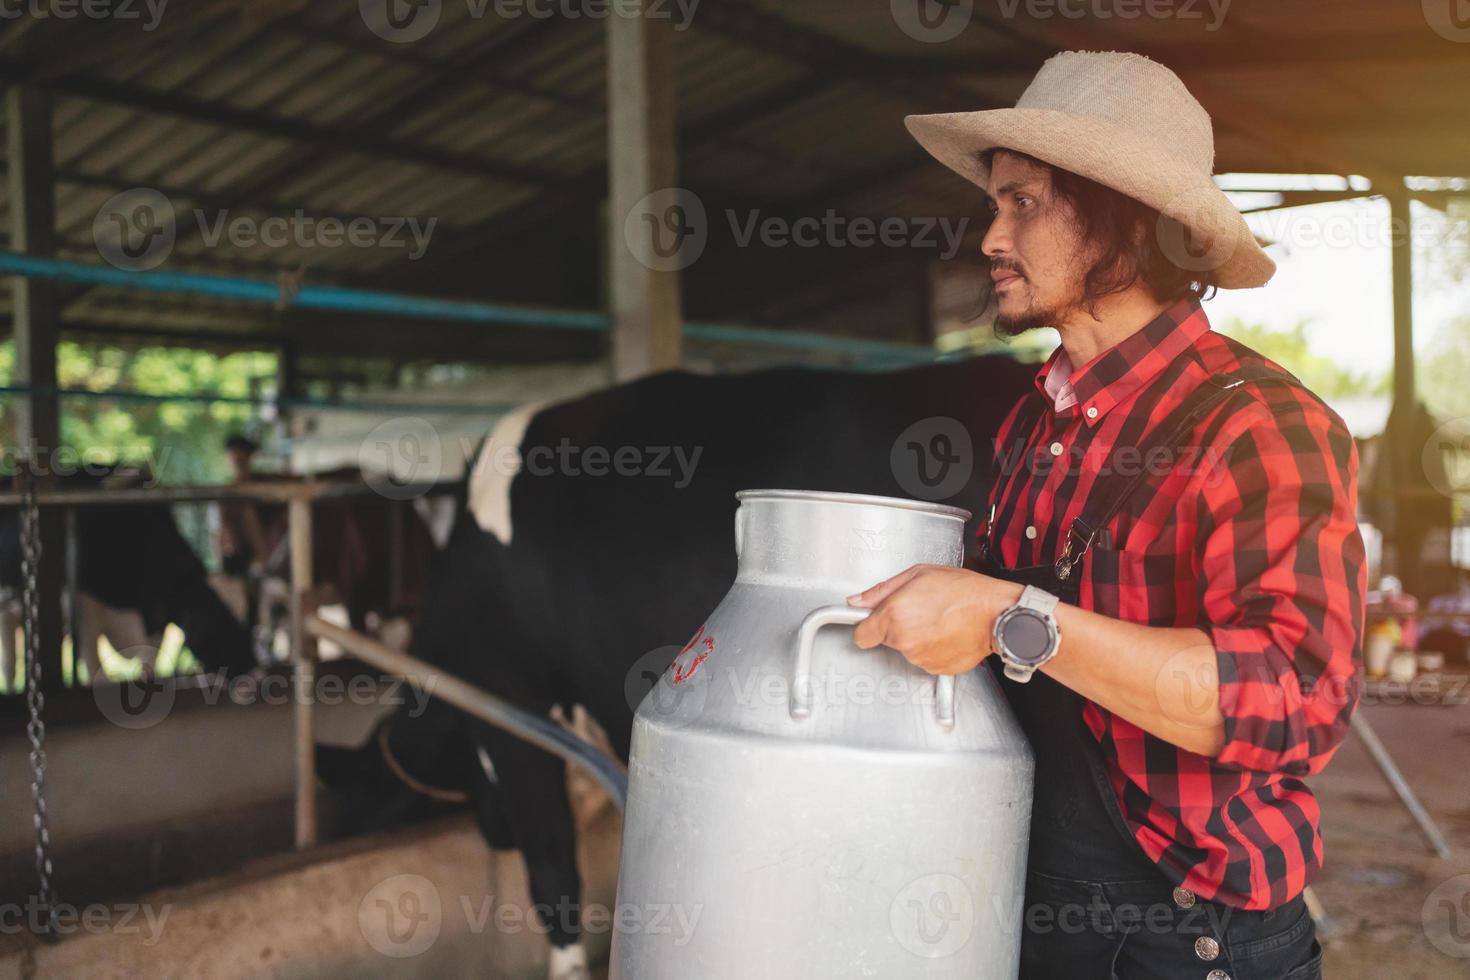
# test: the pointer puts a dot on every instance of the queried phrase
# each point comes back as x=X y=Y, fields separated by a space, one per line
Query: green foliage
x=1444 y=371
x=1323 y=375
x=179 y=441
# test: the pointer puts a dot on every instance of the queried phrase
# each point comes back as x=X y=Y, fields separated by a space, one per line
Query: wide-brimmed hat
x=1128 y=123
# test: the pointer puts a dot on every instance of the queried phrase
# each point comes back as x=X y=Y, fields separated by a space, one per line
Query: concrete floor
x=1380 y=875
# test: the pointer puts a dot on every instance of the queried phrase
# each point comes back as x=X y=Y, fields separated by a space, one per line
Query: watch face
x=1026 y=636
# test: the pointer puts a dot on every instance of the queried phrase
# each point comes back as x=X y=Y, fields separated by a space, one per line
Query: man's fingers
x=869 y=633
x=871 y=597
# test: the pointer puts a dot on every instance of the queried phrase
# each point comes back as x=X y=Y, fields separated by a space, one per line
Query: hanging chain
x=30 y=559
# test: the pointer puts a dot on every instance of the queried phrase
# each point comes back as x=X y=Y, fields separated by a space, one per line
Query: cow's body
x=585 y=585
x=132 y=559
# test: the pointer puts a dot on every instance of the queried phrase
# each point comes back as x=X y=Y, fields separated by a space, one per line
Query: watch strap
x=1038 y=599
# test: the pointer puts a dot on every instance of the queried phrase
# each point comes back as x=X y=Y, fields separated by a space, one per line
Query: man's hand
x=938 y=617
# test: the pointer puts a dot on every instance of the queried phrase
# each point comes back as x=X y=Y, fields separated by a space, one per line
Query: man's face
x=1036 y=256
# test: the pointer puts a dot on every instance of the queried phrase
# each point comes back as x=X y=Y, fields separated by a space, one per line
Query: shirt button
x=1031 y=532
x=1184 y=898
x=1092 y=412
x=1217 y=975
x=1206 y=948
x=1056 y=449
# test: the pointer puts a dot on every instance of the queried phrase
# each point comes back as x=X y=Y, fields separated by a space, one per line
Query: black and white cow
x=601 y=529
x=132 y=559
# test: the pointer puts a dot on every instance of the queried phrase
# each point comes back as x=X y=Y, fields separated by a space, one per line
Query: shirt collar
x=1120 y=371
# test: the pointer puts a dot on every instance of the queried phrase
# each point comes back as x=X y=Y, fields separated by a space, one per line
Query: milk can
x=799 y=807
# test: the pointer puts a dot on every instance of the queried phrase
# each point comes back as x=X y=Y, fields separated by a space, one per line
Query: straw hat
x=1129 y=124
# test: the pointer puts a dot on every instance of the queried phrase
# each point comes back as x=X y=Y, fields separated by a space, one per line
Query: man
x=1173 y=576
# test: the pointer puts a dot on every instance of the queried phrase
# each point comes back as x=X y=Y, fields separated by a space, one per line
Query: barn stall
x=420 y=219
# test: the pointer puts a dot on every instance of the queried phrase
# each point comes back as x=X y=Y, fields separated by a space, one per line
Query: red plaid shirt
x=1253 y=538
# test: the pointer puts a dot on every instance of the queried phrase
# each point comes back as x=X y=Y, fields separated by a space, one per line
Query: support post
x=36 y=317
x=644 y=301
x=303 y=660
x=1401 y=227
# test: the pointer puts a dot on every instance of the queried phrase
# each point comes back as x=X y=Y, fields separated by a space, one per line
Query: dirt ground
x=1399 y=912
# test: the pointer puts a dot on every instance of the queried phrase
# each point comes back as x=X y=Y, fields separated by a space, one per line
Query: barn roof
x=494 y=126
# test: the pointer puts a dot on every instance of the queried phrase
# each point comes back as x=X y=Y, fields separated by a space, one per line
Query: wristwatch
x=1026 y=635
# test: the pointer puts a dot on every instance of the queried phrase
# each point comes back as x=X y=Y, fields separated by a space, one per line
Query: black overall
x=1096 y=906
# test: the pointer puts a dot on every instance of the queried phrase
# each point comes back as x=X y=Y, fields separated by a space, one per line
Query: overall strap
x=1111 y=494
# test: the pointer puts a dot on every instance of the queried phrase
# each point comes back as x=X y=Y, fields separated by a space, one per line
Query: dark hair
x=1125 y=232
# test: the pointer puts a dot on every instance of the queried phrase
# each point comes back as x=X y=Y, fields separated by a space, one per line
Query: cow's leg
x=539 y=816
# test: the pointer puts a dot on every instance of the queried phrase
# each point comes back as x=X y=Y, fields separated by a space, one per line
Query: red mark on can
x=705 y=646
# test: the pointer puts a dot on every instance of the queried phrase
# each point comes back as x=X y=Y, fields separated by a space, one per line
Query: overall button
x=1184 y=898
x=1206 y=948
x=1217 y=975
x=1056 y=449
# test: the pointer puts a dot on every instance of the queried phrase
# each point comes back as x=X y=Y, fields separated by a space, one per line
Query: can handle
x=801 y=678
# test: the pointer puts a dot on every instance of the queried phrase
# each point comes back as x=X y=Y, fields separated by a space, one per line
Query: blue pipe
x=351 y=300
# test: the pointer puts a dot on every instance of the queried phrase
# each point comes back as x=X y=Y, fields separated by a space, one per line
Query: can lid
x=864 y=499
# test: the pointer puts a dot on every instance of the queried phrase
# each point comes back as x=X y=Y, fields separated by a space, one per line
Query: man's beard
x=1031 y=318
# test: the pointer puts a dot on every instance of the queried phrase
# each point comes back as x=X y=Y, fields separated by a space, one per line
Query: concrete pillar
x=644 y=301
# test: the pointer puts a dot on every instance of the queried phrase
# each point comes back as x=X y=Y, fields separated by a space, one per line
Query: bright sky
x=1334 y=270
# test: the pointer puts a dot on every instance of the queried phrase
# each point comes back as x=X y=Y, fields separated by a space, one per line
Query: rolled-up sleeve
x=1282 y=578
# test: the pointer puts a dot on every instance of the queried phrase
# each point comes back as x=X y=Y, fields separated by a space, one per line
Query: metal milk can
x=799 y=807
